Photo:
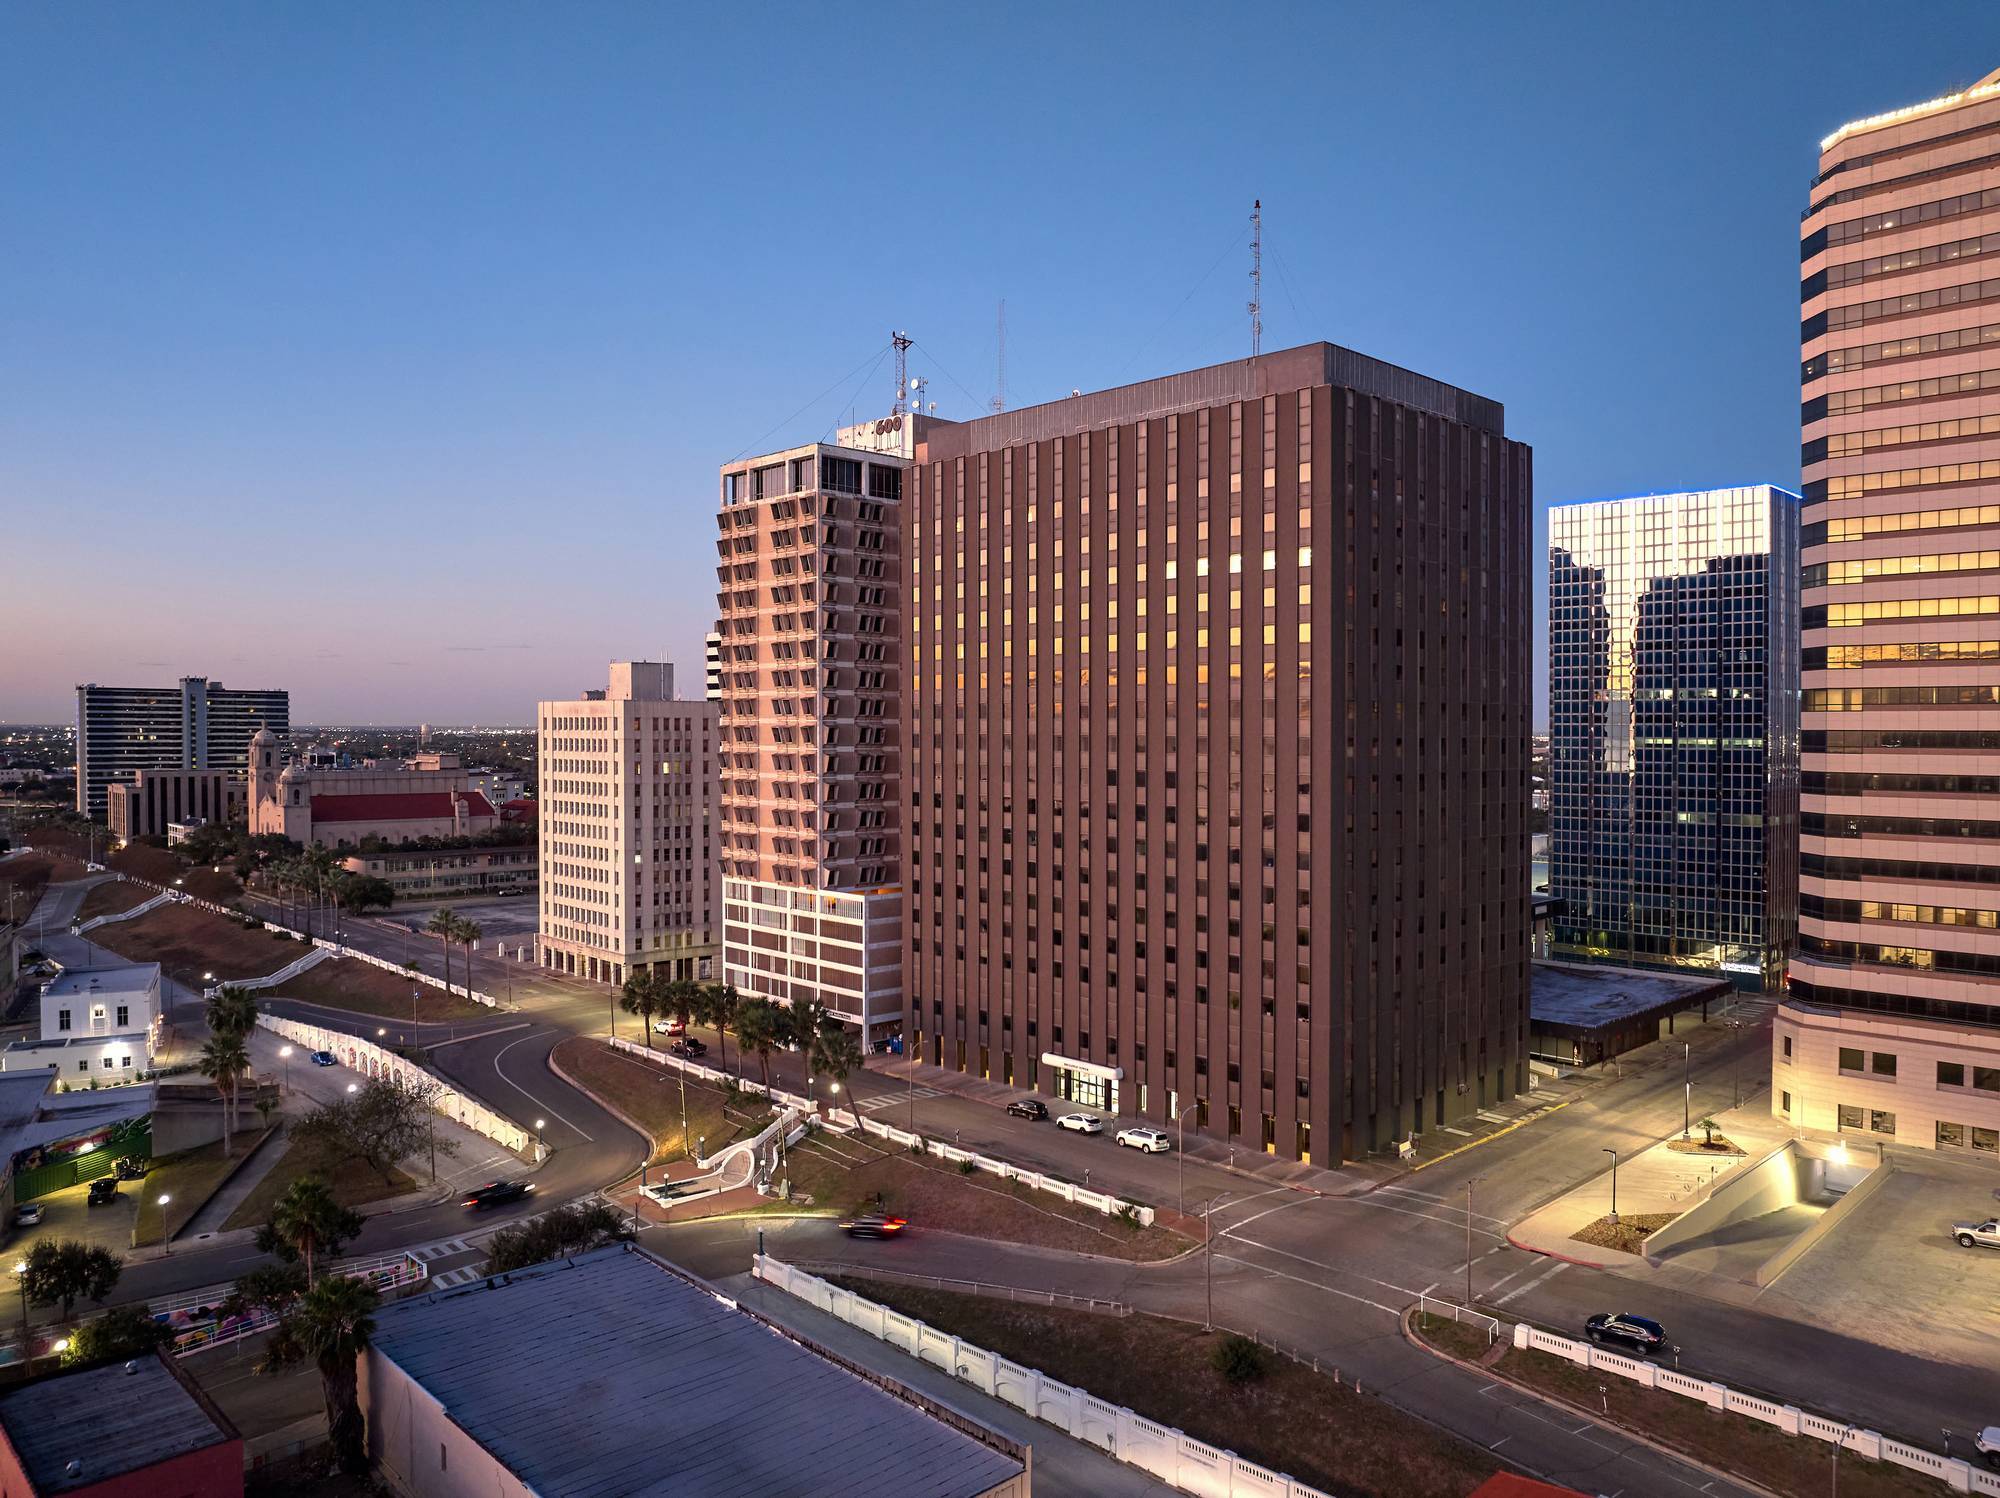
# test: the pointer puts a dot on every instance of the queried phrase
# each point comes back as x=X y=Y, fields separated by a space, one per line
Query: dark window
x=1951 y=1073
x=1851 y=1060
x=1884 y=1064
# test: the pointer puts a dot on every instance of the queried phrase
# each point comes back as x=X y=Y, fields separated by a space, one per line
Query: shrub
x=1238 y=1359
x=966 y=1167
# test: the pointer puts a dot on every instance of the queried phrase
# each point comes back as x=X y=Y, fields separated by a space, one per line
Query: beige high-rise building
x=808 y=588
x=627 y=781
x=1892 y=1027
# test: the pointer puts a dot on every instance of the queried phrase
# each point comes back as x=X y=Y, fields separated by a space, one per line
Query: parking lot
x=511 y=920
x=67 y=1214
x=1891 y=1274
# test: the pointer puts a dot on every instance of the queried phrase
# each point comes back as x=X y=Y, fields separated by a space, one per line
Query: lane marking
x=1488 y=1139
x=540 y=1106
x=1456 y=1222
x=1427 y=1289
x=1462 y=1134
x=1329 y=1268
x=1454 y=1208
x=1539 y=1280
x=1506 y=1277
x=1315 y=1285
x=1235 y=1227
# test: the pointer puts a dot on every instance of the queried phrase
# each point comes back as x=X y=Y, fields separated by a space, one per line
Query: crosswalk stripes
x=894 y=1099
x=444 y=1250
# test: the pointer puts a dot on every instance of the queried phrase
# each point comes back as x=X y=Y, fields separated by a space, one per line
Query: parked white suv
x=1988 y=1442
x=1083 y=1123
x=1152 y=1141
x=1977 y=1234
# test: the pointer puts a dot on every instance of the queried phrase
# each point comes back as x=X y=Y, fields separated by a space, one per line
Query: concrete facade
x=430 y=873
x=155 y=800
x=808 y=589
x=1215 y=784
x=311 y=803
x=627 y=796
x=1899 y=902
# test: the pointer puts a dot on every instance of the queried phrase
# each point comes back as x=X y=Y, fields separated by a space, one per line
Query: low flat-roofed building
x=613 y=1372
x=1582 y=1013
x=131 y=1430
x=433 y=873
x=114 y=1002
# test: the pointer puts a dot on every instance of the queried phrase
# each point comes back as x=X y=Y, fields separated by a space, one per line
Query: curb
x=1549 y=1253
x=613 y=1109
x=1555 y=1401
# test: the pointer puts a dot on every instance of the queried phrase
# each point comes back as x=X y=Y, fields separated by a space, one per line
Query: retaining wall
x=1166 y=1453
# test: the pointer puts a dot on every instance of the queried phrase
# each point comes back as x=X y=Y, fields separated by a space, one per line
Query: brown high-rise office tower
x=1215 y=758
x=1893 y=1025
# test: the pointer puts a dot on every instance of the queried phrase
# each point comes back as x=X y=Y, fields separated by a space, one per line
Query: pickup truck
x=1977 y=1234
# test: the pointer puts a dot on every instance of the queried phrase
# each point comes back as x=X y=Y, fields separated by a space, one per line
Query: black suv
x=493 y=1193
x=875 y=1225
x=1636 y=1333
x=688 y=1048
x=1028 y=1107
x=103 y=1191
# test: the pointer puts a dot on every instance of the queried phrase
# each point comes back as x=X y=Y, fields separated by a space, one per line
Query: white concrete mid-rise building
x=808 y=590
x=627 y=789
x=100 y=1026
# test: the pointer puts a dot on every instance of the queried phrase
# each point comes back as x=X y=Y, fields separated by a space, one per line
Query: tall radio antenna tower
x=999 y=401
x=902 y=341
x=1256 y=278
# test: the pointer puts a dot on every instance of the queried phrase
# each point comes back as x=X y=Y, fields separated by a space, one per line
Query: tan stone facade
x=156 y=799
x=627 y=796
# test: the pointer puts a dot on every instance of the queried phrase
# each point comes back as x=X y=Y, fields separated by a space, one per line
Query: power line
x=836 y=385
x=1234 y=242
x=950 y=376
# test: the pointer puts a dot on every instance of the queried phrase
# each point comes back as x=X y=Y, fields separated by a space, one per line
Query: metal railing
x=824 y=1267
x=1432 y=1305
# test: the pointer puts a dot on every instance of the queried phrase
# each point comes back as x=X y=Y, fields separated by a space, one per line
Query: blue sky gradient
x=337 y=344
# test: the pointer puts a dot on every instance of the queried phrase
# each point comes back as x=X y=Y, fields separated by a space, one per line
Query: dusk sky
x=388 y=353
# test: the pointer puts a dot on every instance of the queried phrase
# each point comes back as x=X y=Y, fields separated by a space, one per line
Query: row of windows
x=1861 y=699
x=1922 y=1006
x=1847 y=230
x=1816 y=908
x=1847 y=444
x=1861 y=740
x=1923 y=959
x=1860 y=527
x=1838 y=574
x=1819 y=866
x=1833 y=361
x=1835 y=319
x=1846 y=402
x=1852 y=272
x=1903 y=653
x=1851 y=485
x=1822 y=783
x=1877 y=610
x=1831 y=824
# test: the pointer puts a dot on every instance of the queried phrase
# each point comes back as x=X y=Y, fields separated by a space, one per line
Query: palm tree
x=760 y=1027
x=469 y=933
x=231 y=1011
x=317 y=865
x=224 y=1060
x=642 y=996
x=444 y=926
x=682 y=1000
x=830 y=1047
x=720 y=1004
x=331 y=1325
x=306 y=1222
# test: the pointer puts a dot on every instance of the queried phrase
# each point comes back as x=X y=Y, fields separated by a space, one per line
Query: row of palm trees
x=454 y=930
x=762 y=1025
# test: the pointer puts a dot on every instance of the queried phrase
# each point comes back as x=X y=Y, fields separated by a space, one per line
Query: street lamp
x=166 y=1235
x=1842 y=1441
x=1208 y=1264
x=1614 y=1184
x=1687 y=1087
x=539 y=1152
x=21 y=1280
x=1470 y=1183
x=353 y=1087
x=285 y=1055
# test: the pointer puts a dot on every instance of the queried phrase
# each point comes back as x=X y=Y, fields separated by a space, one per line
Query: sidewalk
x=1659 y=1180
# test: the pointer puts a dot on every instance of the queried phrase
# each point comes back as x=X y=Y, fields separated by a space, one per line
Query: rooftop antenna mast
x=902 y=341
x=1256 y=278
x=999 y=401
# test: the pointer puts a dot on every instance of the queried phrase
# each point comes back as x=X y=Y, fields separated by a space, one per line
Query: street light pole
x=1687 y=1087
x=1180 y=1151
x=1208 y=1263
x=21 y=1280
x=1470 y=1183
x=1614 y=1185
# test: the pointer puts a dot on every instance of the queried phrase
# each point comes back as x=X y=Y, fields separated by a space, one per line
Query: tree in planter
x=643 y=995
x=62 y=1271
x=1708 y=1133
x=307 y=1223
x=330 y=1326
x=224 y=1060
x=385 y=1121
x=761 y=1027
x=119 y=1335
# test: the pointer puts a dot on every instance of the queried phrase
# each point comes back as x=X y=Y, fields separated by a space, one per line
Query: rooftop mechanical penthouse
x=1215 y=750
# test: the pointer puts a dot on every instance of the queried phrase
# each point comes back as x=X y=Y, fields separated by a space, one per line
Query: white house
x=100 y=1026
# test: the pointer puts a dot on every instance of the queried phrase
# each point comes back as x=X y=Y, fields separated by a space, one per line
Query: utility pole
x=999 y=401
x=1687 y=1087
x=1256 y=308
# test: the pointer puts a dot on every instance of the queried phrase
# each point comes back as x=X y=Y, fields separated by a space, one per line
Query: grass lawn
x=111 y=897
x=164 y=866
x=188 y=942
x=650 y=1096
x=1761 y=1453
x=188 y=1179
x=363 y=988
x=1292 y=1419
x=843 y=1174
x=32 y=873
x=354 y=1184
